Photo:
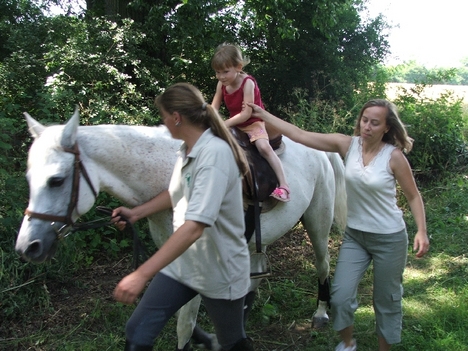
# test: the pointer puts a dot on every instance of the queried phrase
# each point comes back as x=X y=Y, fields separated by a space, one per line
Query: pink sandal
x=281 y=194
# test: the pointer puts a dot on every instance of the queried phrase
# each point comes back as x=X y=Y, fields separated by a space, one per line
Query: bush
x=438 y=127
x=97 y=64
x=321 y=115
x=49 y=65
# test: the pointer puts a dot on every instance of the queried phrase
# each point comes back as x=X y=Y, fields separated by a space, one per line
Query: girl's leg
x=228 y=320
x=267 y=152
x=161 y=300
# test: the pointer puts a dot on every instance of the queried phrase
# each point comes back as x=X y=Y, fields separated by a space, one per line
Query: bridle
x=69 y=225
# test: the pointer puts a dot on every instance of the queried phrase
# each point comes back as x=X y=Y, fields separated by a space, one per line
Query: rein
x=69 y=226
x=138 y=247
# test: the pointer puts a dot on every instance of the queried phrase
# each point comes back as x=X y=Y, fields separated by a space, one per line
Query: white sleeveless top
x=371 y=190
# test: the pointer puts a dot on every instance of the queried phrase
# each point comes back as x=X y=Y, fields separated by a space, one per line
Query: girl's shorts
x=255 y=131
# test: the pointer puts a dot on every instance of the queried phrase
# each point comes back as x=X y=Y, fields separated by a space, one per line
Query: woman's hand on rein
x=116 y=217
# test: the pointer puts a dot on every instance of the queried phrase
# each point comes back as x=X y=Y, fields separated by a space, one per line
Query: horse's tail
x=340 y=209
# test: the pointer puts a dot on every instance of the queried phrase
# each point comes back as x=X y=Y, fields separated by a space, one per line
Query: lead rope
x=138 y=247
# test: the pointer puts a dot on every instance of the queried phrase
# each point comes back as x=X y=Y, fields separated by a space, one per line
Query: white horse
x=69 y=165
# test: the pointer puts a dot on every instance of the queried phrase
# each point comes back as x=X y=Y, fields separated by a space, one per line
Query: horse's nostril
x=34 y=249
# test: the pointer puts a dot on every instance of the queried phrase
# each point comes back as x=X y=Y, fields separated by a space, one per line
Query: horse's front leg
x=187 y=328
x=320 y=317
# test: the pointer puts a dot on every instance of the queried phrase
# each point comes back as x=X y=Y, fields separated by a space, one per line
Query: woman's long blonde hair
x=188 y=101
x=396 y=135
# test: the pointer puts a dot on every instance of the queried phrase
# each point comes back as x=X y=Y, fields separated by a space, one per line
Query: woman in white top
x=375 y=230
x=207 y=254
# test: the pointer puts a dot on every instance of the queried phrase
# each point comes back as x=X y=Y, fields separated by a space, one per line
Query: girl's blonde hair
x=228 y=55
x=188 y=101
x=396 y=134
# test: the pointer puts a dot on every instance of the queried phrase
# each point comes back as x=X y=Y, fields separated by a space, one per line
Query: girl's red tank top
x=234 y=100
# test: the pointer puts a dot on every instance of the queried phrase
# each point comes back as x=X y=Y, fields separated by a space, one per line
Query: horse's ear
x=35 y=128
x=70 y=130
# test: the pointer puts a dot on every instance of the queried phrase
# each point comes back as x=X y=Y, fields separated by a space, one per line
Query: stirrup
x=259 y=265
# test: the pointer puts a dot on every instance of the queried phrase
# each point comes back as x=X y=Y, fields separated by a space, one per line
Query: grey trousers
x=388 y=253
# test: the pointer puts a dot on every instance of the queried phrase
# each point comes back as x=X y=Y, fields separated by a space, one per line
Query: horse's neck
x=131 y=163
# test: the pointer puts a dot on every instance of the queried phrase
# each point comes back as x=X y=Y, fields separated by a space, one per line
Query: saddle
x=257 y=187
x=262 y=180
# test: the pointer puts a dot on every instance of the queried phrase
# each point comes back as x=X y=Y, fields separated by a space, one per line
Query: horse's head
x=58 y=192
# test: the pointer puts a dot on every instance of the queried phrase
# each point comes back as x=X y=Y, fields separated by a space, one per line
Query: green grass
x=80 y=313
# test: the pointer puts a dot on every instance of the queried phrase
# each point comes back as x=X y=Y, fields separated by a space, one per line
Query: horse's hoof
x=319 y=322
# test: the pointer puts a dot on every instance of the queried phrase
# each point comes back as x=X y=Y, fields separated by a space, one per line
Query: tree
x=321 y=46
x=413 y=72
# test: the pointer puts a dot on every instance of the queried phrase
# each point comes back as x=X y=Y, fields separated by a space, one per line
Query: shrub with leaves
x=98 y=65
x=49 y=65
x=321 y=115
x=437 y=126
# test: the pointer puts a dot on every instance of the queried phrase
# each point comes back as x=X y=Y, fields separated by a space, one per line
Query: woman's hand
x=130 y=287
x=122 y=211
x=257 y=111
x=421 y=244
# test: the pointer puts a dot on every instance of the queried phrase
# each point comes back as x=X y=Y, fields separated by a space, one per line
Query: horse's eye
x=55 y=182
